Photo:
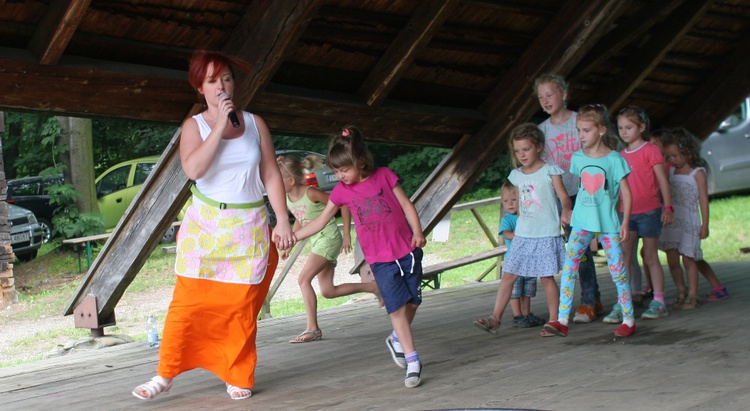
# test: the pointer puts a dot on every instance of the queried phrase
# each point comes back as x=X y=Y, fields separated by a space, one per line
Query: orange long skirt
x=213 y=325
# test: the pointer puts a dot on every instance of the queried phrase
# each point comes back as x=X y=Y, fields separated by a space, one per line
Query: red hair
x=198 y=68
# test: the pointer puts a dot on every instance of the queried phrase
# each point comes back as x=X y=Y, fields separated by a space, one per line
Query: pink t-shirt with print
x=382 y=229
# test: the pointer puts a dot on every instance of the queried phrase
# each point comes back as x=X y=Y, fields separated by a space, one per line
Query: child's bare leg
x=315 y=264
x=675 y=269
x=525 y=303
x=552 y=293
x=708 y=273
x=325 y=280
x=692 y=274
x=515 y=305
x=401 y=320
x=651 y=259
x=646 y=275
x=503 y=295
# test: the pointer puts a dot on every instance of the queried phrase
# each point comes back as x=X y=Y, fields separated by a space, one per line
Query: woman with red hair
x=225 y=261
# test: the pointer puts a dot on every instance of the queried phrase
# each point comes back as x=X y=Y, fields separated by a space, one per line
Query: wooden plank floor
x=690 y=360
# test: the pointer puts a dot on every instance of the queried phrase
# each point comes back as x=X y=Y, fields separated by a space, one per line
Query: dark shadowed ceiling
x=423 y=72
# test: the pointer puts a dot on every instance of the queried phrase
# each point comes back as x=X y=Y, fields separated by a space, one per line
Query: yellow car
x=117 y=187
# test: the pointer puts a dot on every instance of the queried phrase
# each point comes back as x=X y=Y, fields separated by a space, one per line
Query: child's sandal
x=489 y=324
x=691 y=302
x=679 y=300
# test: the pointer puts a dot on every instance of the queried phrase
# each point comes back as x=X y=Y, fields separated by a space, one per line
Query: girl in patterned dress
x=306 y=203
x=603 y=173
x=538 y=247
x=689 y=187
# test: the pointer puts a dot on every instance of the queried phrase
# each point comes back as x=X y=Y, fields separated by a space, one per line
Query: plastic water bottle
x=152 y=330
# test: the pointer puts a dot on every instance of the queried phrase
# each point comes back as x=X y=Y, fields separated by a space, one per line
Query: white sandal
x=154 y=387
x=244 y=393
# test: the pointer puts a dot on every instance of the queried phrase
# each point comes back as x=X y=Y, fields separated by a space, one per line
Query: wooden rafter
x=640 y=66
x=56 y=29
x=427 y=19
x=625 y=33
x=716 y=97
x=557 y=49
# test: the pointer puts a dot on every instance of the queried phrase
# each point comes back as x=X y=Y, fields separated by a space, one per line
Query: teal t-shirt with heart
x=595 y=208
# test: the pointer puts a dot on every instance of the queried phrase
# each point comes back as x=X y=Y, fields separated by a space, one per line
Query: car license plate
x=20 y=237
x=332 y=178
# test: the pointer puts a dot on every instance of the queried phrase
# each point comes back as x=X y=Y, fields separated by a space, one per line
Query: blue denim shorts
x=399 y=281
x=647 y=224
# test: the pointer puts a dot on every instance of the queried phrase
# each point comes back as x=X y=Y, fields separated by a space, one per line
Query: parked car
x=31 y=193
x=727 y=152
x=117 y=187
x=321 y=177
x=26 y=235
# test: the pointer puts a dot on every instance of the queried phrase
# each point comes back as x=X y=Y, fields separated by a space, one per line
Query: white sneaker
x=413 y=374
x=397 y=353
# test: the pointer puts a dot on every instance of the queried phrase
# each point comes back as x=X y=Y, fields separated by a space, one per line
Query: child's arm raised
x=562 y=194
x=661 y=176
x=700 y=178
x=417 y=239
x=315 y=225
x=627 y=204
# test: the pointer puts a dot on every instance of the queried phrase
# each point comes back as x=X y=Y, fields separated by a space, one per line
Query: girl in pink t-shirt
x=389 y=231
x=649 y=185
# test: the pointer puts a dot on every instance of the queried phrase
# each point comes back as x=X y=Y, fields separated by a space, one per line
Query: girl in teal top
x=603 y=173
x=306 y=203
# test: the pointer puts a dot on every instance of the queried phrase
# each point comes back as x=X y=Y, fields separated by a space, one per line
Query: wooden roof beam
x=426 y=20
x=716 y=97
x=559 y=46
x=640 y=66
x=56 y=29
x=625 y=33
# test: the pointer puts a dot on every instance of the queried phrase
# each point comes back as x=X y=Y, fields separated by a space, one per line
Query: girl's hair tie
x=345 y=132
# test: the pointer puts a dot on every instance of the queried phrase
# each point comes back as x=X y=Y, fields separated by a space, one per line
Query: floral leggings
x=578 y=243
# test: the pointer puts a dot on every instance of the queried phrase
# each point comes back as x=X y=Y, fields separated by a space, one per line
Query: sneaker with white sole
x=615 y=317
x=655 y=311
x=413 y=374
x=584 y=314
x=397 y=353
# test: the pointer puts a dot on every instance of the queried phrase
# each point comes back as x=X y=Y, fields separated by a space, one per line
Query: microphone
x=232 y=114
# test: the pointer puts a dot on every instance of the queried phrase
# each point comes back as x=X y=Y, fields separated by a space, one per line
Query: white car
x=727 y=152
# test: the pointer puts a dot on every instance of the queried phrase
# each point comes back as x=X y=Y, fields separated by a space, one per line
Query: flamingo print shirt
x=560 y=142
x=537 y=205
x=595 y=208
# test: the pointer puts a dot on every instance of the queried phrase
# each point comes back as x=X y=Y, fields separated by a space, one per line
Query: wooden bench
x=86 y=241
x=431 y=274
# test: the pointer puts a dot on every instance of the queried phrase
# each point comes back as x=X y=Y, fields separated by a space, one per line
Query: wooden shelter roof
x=424 y=72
